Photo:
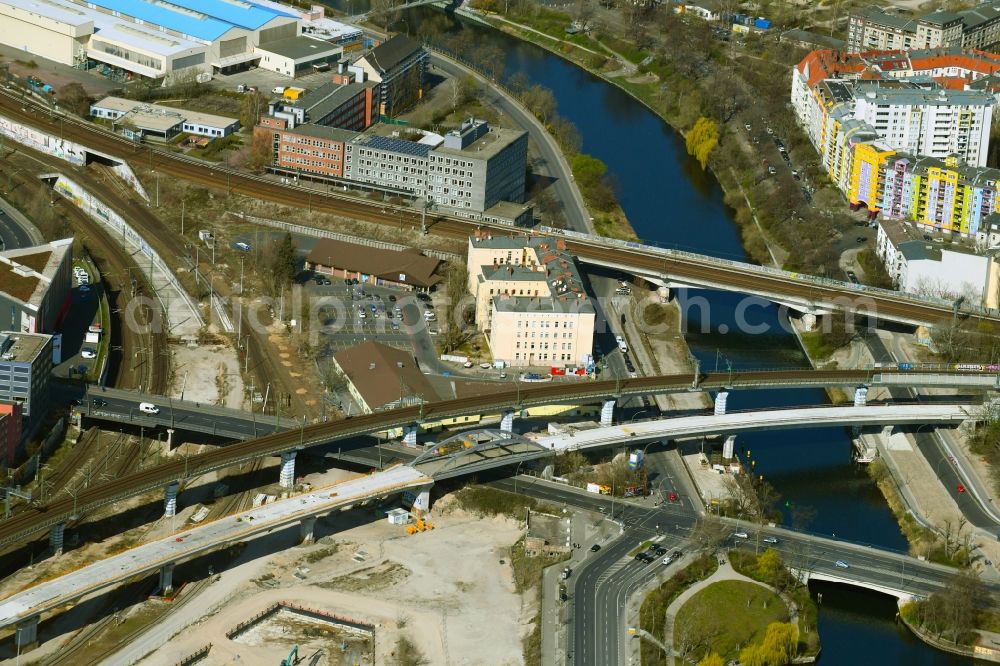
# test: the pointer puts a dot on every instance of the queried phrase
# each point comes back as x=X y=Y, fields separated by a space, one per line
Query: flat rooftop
x=27 y=273
x=486 y=146
x=160 y=117
x=298 y=48
x=21 y=347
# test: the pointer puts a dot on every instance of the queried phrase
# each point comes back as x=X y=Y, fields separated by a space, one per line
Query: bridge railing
x=673 y=253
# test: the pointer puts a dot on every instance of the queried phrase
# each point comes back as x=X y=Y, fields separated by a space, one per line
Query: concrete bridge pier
x=170 y=439
x=608 y=411
x=26 y=637
x=286 y=475
x=729 y=448
x=720 y=402
x=306 y=528
x=419 y=499
x=170 y=500
x=167 y=579
x=56 y=535
x=507 y=421
x=410 y=435
x=861 y=396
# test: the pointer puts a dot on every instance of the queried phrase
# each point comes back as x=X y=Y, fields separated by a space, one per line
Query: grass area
x=746 y=563
x=734 y=614
x=485 y=501
x=641 y=547
x=652 y=613
x=104 y=316
x=623 y=48
x=818 y=346
x=527 y=576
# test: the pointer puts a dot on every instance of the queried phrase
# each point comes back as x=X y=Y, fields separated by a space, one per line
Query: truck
x=293 y=93
x=40 y=86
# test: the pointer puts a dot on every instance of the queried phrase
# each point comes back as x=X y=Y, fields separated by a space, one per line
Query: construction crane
x=293 y=657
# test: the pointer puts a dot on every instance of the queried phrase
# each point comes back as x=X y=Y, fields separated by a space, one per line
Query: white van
x=148 y=408
x=621 y=344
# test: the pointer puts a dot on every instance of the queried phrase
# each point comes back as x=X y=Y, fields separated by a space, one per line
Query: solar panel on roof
x=395 y=145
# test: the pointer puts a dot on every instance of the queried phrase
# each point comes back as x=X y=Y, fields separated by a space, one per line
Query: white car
x=842 y=564
x=88 y=353
x=467 y=364
x=621 y=344
x=770 y=539
x=741 y=535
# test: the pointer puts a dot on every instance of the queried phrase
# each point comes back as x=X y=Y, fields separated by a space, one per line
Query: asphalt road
x=181 y=415
x=601 y=586
x=931 y=447
x=577 y=217
x=11 y=235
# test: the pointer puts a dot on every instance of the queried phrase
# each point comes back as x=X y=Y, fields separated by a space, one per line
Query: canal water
x=670 y=201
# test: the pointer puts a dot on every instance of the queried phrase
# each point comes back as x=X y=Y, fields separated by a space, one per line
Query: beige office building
x=530 y=301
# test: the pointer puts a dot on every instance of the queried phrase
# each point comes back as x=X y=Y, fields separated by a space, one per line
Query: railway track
x=708 y=270
x=143 y=480
x=79 y=649
x=114 y=265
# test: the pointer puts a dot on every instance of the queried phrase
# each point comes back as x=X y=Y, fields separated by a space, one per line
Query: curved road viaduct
x=803 y=292
x=164 y=553
x=507 y=402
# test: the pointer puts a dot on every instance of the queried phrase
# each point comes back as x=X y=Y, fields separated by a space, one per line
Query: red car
x=960 y=488
x=672 y=496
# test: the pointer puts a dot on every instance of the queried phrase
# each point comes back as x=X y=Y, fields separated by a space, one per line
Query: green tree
x=702 y=139
x=711 y=659
x=780 y=643
x=283 y=263
x=254 y=103
x=753 y=655
x=770 y=566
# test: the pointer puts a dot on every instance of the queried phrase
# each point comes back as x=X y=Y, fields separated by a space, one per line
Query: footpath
x=723 y=573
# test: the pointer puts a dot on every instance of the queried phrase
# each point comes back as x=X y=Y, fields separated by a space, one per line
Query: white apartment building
x=530 y=301
x=934 y=269
x=936 y=123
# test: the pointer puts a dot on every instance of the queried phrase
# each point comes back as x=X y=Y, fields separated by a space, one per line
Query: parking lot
x=78 y=357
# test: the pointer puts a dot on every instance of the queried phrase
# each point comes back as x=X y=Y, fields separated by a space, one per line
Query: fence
x=347 y=238
x=195 y=656
x=107 y=217
x=314 y=613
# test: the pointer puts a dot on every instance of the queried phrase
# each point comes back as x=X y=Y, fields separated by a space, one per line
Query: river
x=670 y=201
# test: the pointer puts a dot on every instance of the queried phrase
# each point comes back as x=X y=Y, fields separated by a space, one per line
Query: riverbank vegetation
x=949 y=543
x=653 y=612
x=682 y=71
x=725 y=616
x=769 y=568
x=953 y=614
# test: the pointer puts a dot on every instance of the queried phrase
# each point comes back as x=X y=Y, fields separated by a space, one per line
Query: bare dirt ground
x=450 y=591
x=208 y=374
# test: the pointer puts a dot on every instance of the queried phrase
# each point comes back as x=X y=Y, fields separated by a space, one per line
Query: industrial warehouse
x=144 y=38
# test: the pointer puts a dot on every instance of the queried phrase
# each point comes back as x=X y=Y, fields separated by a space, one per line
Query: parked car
x=467 y=364
x=87 y=352
x=392 y=298
x=243 y=247
x=423 y=297
x=621 y=344
x=852 y=276
x=596 y=547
